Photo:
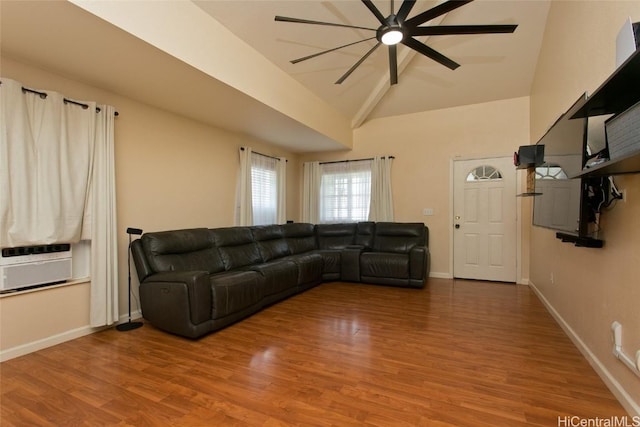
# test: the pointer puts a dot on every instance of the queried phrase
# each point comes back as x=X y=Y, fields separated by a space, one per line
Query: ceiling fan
x=398 y=28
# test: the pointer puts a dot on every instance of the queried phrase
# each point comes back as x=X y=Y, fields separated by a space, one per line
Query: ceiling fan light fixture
x=392 y=36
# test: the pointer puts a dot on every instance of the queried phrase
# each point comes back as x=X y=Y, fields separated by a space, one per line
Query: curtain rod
x=43 y=95
x=264 y=155
x=354 y=160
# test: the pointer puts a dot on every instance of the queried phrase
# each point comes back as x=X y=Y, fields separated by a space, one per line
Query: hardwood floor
x=456 y=353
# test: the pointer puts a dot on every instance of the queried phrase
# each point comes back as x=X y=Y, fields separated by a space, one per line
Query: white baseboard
x=618 y=391
x=43 y=343
x=34 y=346
x=438 y=275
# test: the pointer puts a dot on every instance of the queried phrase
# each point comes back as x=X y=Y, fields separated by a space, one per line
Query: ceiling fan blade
x=441 y=30
x=295 y=61
x=372 y=7
x=431 y=53
x=405 y=9
x=393 y=64
x=436 y=11
x=331 y=24
x=357 y=64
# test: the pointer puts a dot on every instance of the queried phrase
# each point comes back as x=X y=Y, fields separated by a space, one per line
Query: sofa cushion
x=335 y=236
x=398 y=237
x=270 y=241
x=236 y=247
x=234 y=291
x=387 y=265
x=365 y=234
x=300 y=237
x=309 y=267
x=330 y=260
x=279 y=276
x=182 y=250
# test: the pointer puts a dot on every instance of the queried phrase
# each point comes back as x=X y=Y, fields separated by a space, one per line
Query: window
x=264 y=189
x=550 y=171
x=484 y=173
x=345 y=191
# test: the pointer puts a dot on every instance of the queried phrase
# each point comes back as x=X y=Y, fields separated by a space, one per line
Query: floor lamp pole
x=130 y=325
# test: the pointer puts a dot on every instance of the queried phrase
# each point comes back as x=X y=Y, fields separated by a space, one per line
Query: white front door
x=484 y=219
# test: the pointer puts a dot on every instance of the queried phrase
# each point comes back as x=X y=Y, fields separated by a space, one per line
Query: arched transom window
x=484 y=173
x=550 y=171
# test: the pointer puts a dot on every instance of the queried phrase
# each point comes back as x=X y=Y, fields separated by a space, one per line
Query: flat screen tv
x=558 y=207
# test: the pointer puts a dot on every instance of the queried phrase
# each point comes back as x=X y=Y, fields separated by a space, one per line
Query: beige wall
x=591 y=287
x=171 y=172
x=424 y=145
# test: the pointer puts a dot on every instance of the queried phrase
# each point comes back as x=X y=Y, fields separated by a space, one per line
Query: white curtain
x=57 y=182
x=104 y=248
x=311 y=192
x=244 y=210
x=46 y=159
x=381 y=206
x=281 y=170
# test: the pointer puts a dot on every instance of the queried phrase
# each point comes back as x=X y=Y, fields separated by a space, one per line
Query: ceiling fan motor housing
x=391 y=33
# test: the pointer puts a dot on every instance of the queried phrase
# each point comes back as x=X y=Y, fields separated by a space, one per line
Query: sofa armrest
x=418 y=263
x=167 y=296
x=350 y=263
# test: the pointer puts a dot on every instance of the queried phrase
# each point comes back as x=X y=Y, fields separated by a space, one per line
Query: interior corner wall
x=424 y=145
x=588 y=289
x=171 y=173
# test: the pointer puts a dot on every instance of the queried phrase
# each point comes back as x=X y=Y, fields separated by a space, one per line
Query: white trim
x=450 y=221
x=519 y=279
x=618 y=391
x=70 y=282
x=34 y=346
x=439 y=275
x=31 y=347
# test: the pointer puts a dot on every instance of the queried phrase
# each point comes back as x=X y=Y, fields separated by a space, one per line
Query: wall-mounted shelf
x=627 y=164
x=584 y=242
x=619 y=92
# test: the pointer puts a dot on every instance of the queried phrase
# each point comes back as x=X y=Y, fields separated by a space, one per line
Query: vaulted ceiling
x=104 y=49
x=493 y=66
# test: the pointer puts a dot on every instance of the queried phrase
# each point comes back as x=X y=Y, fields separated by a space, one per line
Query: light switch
x=427 y=211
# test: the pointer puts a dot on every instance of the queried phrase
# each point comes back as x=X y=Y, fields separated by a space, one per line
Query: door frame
x=519 y=279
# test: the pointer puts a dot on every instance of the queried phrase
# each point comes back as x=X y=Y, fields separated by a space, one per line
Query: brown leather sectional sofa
x=196 y=281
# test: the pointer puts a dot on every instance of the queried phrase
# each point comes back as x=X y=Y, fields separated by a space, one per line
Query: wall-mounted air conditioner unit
x=34 y=265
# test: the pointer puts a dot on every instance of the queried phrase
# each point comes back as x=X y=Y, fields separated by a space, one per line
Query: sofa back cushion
x=181 y=250
x=300 y=237
x=236 y=246
x=271 y=242
x=364 y=234
x=399 y=237
x=336 y=236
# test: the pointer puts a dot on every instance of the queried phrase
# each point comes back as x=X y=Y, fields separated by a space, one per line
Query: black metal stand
x=123 y=327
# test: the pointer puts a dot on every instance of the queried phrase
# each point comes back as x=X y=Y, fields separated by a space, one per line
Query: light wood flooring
x=457 y=353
